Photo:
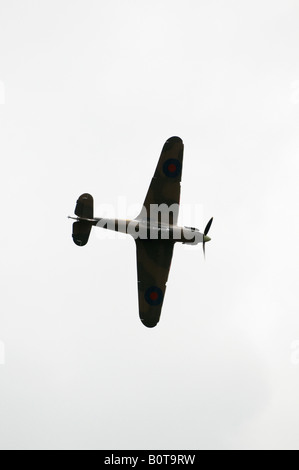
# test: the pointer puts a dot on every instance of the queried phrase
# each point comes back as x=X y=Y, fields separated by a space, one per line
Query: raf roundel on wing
x=172 y=168
x=153 y=295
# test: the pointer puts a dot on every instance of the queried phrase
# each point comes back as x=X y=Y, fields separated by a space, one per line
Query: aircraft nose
x=206 y=239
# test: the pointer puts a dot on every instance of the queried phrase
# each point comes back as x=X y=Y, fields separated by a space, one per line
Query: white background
x=90 y=91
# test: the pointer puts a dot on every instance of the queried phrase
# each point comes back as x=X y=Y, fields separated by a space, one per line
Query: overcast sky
x=89 y=92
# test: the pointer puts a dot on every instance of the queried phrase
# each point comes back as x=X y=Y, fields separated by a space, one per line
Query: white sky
x=89 y=92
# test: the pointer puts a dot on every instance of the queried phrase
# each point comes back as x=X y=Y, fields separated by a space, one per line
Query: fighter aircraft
x=155 y=230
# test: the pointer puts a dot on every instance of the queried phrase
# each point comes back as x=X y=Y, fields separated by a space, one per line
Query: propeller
x=205 y=238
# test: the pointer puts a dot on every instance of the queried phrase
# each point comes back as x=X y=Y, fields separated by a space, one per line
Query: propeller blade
x=208 y=226
x=205 y=238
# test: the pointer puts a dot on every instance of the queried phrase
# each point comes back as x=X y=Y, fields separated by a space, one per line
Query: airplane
x=155 y=230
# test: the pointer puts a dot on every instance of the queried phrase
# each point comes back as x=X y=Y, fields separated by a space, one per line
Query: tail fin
x=82 y=228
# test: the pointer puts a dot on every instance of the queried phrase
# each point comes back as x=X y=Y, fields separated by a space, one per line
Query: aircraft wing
x=153 y=265
x=165 y=187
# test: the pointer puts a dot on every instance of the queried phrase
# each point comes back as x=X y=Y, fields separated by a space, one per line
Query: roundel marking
x=172 y=168
x=153 y=295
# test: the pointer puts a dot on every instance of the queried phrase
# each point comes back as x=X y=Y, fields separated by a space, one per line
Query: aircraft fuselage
x=152 y=230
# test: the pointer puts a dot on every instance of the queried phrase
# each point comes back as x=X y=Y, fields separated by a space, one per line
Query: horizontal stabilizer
x=81 y=232
x=84 y=207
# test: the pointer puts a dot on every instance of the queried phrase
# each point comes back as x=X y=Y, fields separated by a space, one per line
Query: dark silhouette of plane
x=155 y=230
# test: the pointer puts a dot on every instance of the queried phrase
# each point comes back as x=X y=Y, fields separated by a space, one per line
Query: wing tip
x=173 y=140
x=149 y=323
